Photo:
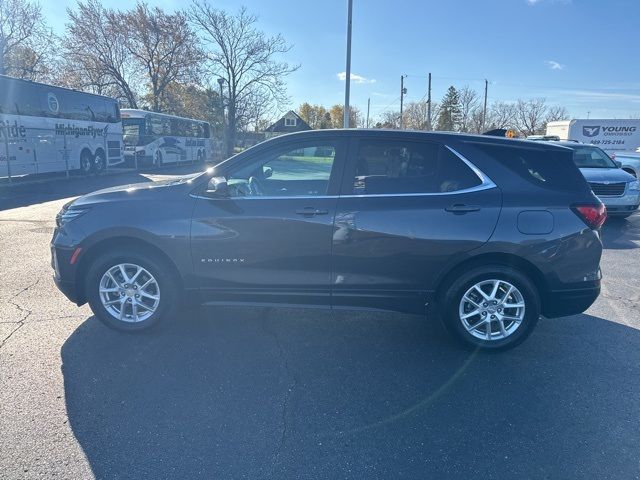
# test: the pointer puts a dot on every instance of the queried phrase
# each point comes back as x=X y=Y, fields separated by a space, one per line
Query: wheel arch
x=120 y=242
x=631 y=171
x=501 y=259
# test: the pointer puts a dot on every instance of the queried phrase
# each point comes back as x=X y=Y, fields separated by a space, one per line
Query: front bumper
x=64 y=273
x=623 y=205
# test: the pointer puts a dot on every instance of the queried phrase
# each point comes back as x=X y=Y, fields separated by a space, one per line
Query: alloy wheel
x=492 y=309
x=129 y=292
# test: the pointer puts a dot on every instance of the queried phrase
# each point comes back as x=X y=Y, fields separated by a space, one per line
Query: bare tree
x=96 y=57
x=389 y=119
x=415 y=115
x=26 y=44
x=469 y=103
x=530 y=116
x=501 y=115
x=556 y=113
x=244 y=57
x=164 y=46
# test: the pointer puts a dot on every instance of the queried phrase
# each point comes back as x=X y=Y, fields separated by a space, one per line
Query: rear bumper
x=562 y=303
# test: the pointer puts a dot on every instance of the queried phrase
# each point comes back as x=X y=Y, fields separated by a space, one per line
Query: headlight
x=65 y=216
x=635 y=185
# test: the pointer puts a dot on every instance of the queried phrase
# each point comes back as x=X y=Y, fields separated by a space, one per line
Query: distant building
x=289 y=123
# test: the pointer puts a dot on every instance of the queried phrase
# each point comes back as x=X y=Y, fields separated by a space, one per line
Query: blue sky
x=582 y=54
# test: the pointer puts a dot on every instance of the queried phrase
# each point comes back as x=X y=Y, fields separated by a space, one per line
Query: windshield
x=131 y=131
x=591 y=157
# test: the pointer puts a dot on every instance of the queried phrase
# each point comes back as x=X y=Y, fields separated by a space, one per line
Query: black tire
x=157 y=267
x=86 y=162
x=99 y=162
x=449 y=308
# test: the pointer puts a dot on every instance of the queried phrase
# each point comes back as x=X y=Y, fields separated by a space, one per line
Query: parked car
x=485 y=233
x=616 y=188
x=628 y=161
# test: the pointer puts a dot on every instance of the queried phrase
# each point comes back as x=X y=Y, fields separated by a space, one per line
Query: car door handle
x=460 y=208
x=310 y=211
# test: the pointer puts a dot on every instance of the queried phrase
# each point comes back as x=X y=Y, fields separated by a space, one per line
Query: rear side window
x=397 y=167
x=544 y=168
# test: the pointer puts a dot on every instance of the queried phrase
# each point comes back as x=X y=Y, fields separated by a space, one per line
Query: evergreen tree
x=449 y=117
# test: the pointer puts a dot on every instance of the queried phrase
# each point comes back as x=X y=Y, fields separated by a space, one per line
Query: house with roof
x=289 y=123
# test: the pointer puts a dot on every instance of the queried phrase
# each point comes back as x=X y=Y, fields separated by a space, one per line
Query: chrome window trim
x=193 y=195
x=486 y=184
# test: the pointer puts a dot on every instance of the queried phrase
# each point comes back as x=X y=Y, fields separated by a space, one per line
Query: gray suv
x=487 y=234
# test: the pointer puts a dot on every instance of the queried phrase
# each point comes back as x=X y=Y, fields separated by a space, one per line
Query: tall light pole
x=484 y=109
x=222 y=140
x=347 y=84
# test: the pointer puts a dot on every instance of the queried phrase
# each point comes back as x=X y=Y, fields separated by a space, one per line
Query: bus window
x=207 y=130
x=27 y=99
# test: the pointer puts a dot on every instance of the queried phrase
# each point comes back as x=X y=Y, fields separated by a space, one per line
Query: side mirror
x=217 y=187
x=267 y=172
x=618 y=163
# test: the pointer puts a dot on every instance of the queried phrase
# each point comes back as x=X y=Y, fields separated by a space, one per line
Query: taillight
x=593 y=215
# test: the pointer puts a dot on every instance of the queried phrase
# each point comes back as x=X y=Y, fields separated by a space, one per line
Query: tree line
x=199 y=62
x=462 y=110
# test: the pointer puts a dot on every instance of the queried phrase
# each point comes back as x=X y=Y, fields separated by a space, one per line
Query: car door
x=270 y=240
x=407 y=209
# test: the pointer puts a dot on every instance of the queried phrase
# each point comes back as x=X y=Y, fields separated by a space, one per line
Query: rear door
x=407 y=209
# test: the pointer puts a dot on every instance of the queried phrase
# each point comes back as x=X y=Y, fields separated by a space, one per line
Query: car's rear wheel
x=491 y=307
x=130 y=290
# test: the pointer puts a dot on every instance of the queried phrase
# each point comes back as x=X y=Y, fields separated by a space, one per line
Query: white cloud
x=355 y=78
x=553 y=65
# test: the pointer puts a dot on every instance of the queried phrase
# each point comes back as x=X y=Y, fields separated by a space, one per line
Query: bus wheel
x=158 y=159
x=99 y=162
x=86 y=162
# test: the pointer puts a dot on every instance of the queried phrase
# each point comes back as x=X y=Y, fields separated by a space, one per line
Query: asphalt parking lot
x=284 y=393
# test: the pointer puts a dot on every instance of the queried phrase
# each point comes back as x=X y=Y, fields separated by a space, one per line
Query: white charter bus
x=152 y=138
x=44 y=128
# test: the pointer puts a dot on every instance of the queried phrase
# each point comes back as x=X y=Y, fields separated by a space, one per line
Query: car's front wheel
x=130 y=290
x=491 y=307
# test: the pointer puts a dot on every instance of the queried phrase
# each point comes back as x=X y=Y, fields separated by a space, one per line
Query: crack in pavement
x=27 y=312
x=284 y=359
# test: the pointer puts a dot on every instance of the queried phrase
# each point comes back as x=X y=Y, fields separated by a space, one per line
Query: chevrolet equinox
x=486 y=233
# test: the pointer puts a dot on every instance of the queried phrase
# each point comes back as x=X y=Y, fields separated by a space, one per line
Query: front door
x=270 y=240
x=407 y=210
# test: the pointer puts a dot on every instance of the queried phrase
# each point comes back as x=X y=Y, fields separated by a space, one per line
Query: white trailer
x=609 y=135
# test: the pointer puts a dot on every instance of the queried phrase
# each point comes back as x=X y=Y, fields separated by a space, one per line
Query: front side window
x=301 y=171
x=398 y=167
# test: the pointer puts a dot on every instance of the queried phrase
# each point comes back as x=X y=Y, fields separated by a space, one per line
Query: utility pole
x=368 y=108
x=484 y=110
x=403 y=92
x=429 y=104
x=347 y=84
